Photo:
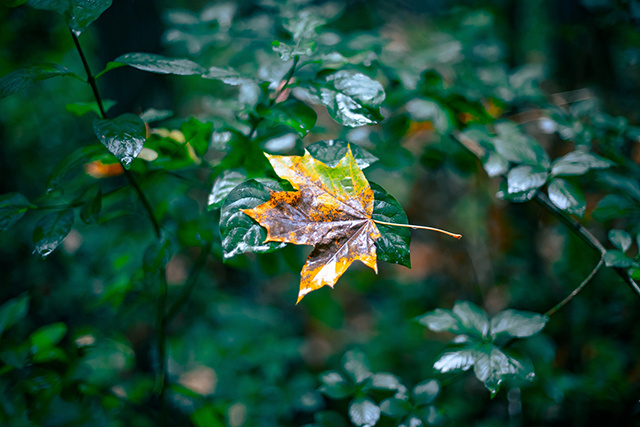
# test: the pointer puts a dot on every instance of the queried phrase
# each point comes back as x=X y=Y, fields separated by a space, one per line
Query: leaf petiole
x=421 y=227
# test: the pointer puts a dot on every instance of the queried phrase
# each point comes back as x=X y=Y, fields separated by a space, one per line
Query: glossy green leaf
x=335 y=385
x=615 y=258
x=240 y=233
x=81 y=108
x=79 y=157
x=227 y=181
x=47 y=336
x=13 y=311
x=455 y=361
x=425 y=392
x=525 y=178
x=249 y=89
x=198 y=134
x=620 y=239
x=492 y=366
x=356 y=365
x=394 y=244
x=351 y=98
x=51 y=230
x=13 y=206
x=494 y=164
x=517 y=324
x=613 y=206
x=26 y=77
x=78 y=14
x=567 y=196
x=293 y=113
x=123 y=136
x=364 y=412
x=472 y=317
x=440 y=320
x=518 y=147
x=158 y=64
x=288 y=52
x=422 y=110
x=331 y=151
x=578 y=163
x=386 y=381
x=627 y=184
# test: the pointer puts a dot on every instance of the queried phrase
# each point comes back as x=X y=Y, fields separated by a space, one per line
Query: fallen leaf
x=332 y=211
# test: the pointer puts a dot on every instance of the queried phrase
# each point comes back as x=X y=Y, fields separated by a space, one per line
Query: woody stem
x=420 y=227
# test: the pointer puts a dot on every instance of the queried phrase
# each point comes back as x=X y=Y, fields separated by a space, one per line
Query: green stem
x=575 y=292
x=96 y=93
x=419 y=227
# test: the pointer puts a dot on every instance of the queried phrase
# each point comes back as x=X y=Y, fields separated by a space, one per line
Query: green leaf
x=517 y=324
x=335 y=385
x=492 y=366
x=356 y=365
x=152 y=115
x=13 y=206
x=47 y=336
x=351 y=98
x=240 y=233
x=303 y=25
x=81 y=108
x=425 y=392
x=440 y=320
x=525 y=178
x=90 y=212
x=13 y=311
x=364 y=412
x=158 y=64
x=517 y=147
x=227 y=181
x=207 y=416
x=386 y=381
x=26 y=77
x=79 y=157
x=249 y=89
x=455 y=361
x=197 y=134
x=293 y=113
x=123 y=136
x=620 y=239
x=395 y=408
x=78 y=14
x=394 y=244
x=613 y=206
x=288 y=52
x=472 y=317
x=567 y=196
x=422 y=110
x=331 y=151
x=578 y=163
x=494 y=164
x=51 y=230
x=615 y=258
x=627 y=184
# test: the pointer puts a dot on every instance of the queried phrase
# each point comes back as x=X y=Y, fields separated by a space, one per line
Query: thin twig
x=576 y=290
x=420 y=227
x=188 y=287
x=96 y=93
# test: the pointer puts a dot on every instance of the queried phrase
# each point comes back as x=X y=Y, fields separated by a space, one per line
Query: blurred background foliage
x=86 y=347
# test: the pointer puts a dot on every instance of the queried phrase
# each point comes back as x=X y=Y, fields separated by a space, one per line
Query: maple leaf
x=332 y=211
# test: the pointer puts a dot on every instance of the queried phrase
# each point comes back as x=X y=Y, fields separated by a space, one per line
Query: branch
x=576 y=290
x=132 y=181
x=543 y=200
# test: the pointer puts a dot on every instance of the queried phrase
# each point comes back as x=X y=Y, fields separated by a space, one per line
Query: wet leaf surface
x=78 y=14
x=28 y=76
x=123 y=136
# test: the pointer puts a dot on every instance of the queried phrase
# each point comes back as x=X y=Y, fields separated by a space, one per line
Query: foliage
x=162 y=288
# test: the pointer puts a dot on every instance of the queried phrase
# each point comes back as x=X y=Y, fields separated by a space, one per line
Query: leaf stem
x=575 y=292
x=96 y=93
x=419 y=227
